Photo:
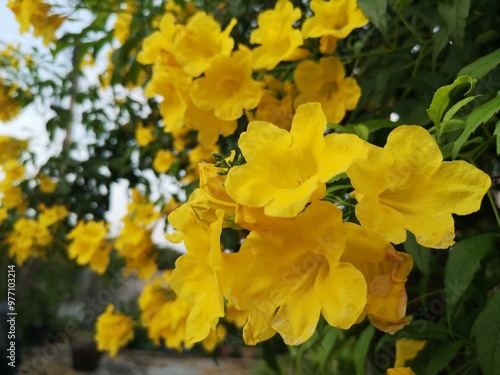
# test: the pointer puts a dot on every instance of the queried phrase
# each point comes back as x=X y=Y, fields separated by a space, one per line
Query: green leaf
x=421 y=255
x=439 y=41
x=328 y=340
x=376 y=11
x=496 y=133
x=441 y=98
x=482 y=66
x=462 y=264
x=481 y=114
x=422 y=329
x=454 y=13
x=486 y=330
x=456 y=107
x=442 y=356
x=361 y=349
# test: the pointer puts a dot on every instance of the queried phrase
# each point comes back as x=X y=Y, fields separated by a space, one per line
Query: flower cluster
x=36 y=14
x=207 y=84
x=299 y=259
x=31 y=237
x=134 y=242
x=113 y=330
x=89 y=245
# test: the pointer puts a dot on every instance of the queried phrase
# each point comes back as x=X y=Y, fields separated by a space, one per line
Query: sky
x=30 y=124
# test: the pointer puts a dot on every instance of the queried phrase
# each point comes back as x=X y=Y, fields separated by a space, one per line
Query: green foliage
x=463 y=262
x=486 y=331
x=479 y=116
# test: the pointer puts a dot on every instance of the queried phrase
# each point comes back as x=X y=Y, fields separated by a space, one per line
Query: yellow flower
x=36 y=13
x=170 y=83
x=12 y=197
x=144 y=135
x=134 y=242
x=327 y=44
x=233 y=315
x=46 y=25
x=325 y=82
x=296 y=271
x=88 y=245
x=277 y=38
x=227 y=87
x=9 y=105
x=163 y=314
x=28 y=238
x=334 y=17
x=157 y=47
x=122 y=25
x=276 y=103
x=49 y=216
x=113 y=330
x=192 y=270
x=385 y=271
x=407 y=349
x=407 y=186
x=302 y=162
x=214 y=338
x=141 y=210
x=11 y=148
x=209 y=127
x=400 y=371
x=163 y=161
x=200 y=41
x=47 y=184
x=202 y=203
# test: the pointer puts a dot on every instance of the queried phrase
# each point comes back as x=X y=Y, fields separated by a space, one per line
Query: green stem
x=494 y=207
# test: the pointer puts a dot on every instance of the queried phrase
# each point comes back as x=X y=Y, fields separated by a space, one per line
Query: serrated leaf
x=478 y=116
x=486 y=330
x=376 y=12
x=421 y=255
x=462 y=264
x=442 y=356
x=454 y=14
x=361 y=349
x=482 y=66
x=496 y=133
x=441 y=98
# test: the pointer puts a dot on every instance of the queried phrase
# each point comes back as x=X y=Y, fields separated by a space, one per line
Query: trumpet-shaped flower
x=286 y=170
x=158 y=47
x=227 y=87
x=113 y=330
x=276 y=104
x=325 y=82
x=277 y=38
x=296 y=274
x=144 y=135
x=170 y=83
x=28 y=238
x=88 y=245
x=385 y=271
x=200 y=41
x=407 y=186
x=208 y=126
x=163 y=161
x=334 y=17
x=191 y=271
